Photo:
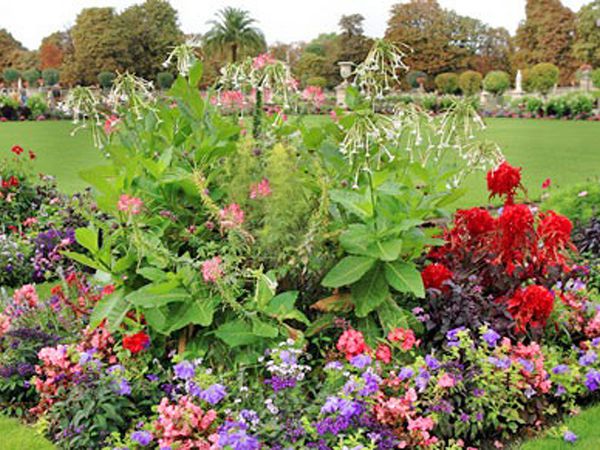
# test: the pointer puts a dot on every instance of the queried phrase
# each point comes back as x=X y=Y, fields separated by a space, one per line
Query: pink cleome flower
x=129 y=204
x=231 y=216
x=262 y=60
x=262 y=189
x=111 y=124
x=211 y=269
x=314 y=95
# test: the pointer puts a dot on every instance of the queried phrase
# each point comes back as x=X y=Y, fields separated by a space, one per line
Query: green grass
x=585 y=426
x=565 y=151
x=15 y=436
x=58 y=153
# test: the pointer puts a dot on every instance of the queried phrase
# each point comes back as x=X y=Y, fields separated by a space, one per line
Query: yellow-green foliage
x=242 y=169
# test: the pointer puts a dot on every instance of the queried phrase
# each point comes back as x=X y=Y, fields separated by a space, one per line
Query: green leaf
x=393 y=316
x=356 y=239
x=111 y=307
x=236 y=333
x=452 y=197
x=353 y=202
x=265 y=289
x=158 y=294
x=389 y=250
x=124 y=263
x=370 y=292
x=152 y=273
x=347 y=271
x=196 y=73
x=264 y=329
x=202 y=311
x=404 y=277
x=87 y=238
x=83 y=259
x=281 y=304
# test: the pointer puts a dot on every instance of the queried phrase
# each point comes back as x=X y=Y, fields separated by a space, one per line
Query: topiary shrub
x=32 y=76
x=447 y=83
x=11 y=75
x=415 y=79
x=534 y=105
x=496 y=82
x=51 y=76
x=38 y=106
x=106 y=79
x=543 y=77
x=596 y=78
x=316 y=81
x=164 y=80
x=470 y=82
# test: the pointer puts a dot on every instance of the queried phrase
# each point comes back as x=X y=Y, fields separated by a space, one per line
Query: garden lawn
x=585 y=426
x=58 y=153
x=567 y=152
x=15 y=436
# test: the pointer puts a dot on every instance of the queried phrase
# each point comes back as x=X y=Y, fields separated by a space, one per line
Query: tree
x=98 y=44
x=470 y=82
x=106 y=79
x=151 y=31
x=497 y=82
x=319 y=58
x=447 y=83
x=52 y=50
x=494 y=51
x=234 y=29
x=353 y=45
x=9 y=49
x=546 y=35
x=543 y=77
x=32 y=76
x=587 y=44
x=10 y=75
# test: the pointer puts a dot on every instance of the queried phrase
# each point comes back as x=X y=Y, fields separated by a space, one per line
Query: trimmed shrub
x=543 y=77
x=32 y=76
x=447 y=83
x=11 y=75
x=164 y=80
x=470 y=82
x=38 y=106
x=596 y=78
x=496 y=82
x=317 y=81
x=414 y=77
x=51 y=76
x=106 y=79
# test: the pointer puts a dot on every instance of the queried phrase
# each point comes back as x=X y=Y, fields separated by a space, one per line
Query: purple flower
x=477 y=392
x=214 y=394
x=560 y=390
x=569 y=436
x=464 y=417
x=588 y=358
x=361 y=361
x=491 y=337
x=527 y=365
x=234 y=435
x=422 y=380
x=405 y=373
x=592 y=379
x=123 y=387
x=334 y=365
x=152 y=377
x=371 y=383
x=280 y=384
x=452 y=336
x=184 y=370
x=500 y=363
x=596 y=342
x=560 y=369
x=432 y=362
x=142 y=437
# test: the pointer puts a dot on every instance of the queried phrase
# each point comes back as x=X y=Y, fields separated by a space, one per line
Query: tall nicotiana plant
x=401 y=171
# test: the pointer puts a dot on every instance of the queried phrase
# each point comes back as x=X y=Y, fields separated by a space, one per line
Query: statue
x=519 y=83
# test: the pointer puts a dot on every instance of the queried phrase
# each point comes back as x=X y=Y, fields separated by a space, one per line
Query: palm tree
x=233 y=30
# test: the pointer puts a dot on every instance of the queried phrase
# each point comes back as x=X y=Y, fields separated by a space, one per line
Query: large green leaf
x=264 y=329
x=87 y=238
x=404 y=277
x=357 y=239
x=353 y=202
x=111 y=307
x=388 y=250
x=265 y=289
x=347 y=271
x=393 y=316
x=370 y=292
x=158 y=294
x=83 y=259
x=236 y=333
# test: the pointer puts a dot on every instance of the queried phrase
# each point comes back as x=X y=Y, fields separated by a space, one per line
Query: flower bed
x=283 y=286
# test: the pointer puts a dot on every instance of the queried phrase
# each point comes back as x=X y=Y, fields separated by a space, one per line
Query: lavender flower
x=123 y=387
x=491 y=337
x=234 y=435
x=500 y=363
x=560 y=369
x=214 y=394
x=142 y=437
x=569 y=436
x=361 y=361
x=592 y=379
x=432 y=362
x=588 y=358
x=184 y=370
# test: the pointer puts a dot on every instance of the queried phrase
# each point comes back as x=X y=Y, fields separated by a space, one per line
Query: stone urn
x=340 y=89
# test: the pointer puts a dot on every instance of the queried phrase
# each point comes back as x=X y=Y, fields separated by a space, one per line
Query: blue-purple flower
x=592 y=379
x=184 y=370
x=588 y=358
x=143 y=438
x=491 y=337
x=214 y=394
x=569 y=436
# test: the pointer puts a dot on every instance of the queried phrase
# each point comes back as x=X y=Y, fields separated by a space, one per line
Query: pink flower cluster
x=129 y=204
x=26 y=296
x=185 y=425
x=262 y=60
x=231 y=216
x=314 y=95
x=261 y=189
x=232 y=100
x=211 y=269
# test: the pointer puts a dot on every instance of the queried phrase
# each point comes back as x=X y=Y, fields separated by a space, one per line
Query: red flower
x=518 y=237
x=17 y=150
x=555 y=229
x=477 y=221
x=405 y=336
x=351 y=343
x=435 y=275
x=546 y=184
x=13 y=181
x=504 y=180
x=383 y=353
x=135 y=343
x=32 y=155
x=531 y=306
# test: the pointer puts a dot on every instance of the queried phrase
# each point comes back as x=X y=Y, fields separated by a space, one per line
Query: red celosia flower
x=531 y=306
x=17 y=150
x=517 y=239
x=383 y=353
x=504 y=180
x=477 y=221
x=135 y=343
x=435 y=275
x=546 y=184
x=405 y=336
x=351 y=343
x=13 y=181
x=555 y=229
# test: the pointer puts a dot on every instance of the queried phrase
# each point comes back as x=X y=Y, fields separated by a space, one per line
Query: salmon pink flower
x=383 y=353
x=129 y=204
x=405 y=336
x=262 y=189
x=111 y=124
x=231 y=216
x=446 y=381
x=351 y=343
x=211 y=269
x=26 y=295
